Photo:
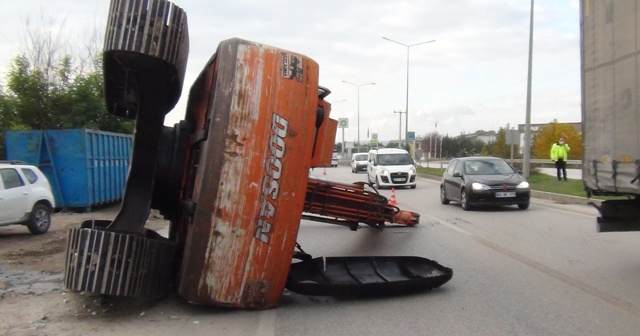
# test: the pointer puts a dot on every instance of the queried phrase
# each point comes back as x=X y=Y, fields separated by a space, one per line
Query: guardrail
x=440 y=163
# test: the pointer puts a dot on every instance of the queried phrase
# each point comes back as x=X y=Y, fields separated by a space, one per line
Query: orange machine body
x=253 y=108
x=326 y=135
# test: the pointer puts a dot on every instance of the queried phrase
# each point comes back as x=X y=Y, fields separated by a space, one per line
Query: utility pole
x=526 y=162
x=400 y=128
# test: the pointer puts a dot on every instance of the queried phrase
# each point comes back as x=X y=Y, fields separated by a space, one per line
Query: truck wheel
x=39 y=220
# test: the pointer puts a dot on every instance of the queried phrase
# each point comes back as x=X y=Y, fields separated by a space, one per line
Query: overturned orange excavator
x=232 y=177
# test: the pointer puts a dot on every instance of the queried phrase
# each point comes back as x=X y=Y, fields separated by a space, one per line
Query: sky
x=473 y=76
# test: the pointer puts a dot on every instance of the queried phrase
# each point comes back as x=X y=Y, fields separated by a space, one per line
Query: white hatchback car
x=25 y=197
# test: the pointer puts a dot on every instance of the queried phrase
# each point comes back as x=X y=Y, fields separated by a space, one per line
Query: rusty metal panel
x=250 y=179
x=325 y=138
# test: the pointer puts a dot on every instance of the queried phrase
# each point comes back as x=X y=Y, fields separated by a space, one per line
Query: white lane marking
x=267 y=323
x=449 y=225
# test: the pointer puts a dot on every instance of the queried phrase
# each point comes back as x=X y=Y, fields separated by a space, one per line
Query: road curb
x=560 y=198
x=566 y=199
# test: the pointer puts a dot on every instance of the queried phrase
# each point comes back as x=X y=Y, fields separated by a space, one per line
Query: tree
x=392 y=144
x=543 y=139
x=458 y=146
x=500 y=147
x=430 y=143
x=47 y=88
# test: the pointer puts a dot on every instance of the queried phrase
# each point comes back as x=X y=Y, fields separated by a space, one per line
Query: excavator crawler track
x=111 y=263
x=366 y=276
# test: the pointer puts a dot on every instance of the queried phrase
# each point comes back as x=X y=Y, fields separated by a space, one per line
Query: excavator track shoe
x=111 y=263
x=366 y=276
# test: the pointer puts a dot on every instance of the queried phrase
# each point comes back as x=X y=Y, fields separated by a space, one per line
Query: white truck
x=610 y=52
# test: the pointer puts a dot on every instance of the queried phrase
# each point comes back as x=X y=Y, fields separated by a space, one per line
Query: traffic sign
x=343 y=122
x=411 y=136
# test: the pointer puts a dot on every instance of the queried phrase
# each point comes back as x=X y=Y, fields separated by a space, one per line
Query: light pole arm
x=358 y=86
x=406 y=110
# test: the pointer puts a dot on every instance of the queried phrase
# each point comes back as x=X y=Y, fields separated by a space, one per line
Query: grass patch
x=548 y=183
x=431 y=171
x=540 y=182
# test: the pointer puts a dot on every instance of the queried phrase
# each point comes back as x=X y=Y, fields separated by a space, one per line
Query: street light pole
x=358 y=86
x=406 y=109
x=400 y=128
x=527 y=126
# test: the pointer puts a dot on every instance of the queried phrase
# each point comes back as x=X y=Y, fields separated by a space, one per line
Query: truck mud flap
x=366 y=276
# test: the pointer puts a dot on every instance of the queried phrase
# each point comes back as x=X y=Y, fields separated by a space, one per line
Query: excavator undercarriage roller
x=112 y=263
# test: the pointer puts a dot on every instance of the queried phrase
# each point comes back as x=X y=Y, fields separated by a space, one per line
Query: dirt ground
x=33 y=300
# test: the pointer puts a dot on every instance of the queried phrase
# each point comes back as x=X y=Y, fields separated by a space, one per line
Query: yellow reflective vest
x=559 y=152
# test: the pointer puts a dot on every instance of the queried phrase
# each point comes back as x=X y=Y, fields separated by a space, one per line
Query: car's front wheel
x=523 y=206
x=443 y=196
x=464 y=201
x=39 y=220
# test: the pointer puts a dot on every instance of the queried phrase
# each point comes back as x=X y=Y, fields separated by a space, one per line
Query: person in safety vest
x=559 y=155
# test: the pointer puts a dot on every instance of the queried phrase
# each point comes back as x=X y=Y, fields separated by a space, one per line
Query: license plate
x=506 y=194
x=399 y=180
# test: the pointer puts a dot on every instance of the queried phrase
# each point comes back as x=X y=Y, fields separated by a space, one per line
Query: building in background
x=484 y=136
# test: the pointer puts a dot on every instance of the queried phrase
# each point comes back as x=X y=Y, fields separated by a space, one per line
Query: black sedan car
x=473 y=181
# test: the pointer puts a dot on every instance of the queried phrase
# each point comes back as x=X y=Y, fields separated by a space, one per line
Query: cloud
x=474 y=76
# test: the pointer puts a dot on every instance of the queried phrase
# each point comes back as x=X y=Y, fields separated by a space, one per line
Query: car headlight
x=412 y=171
x=479 y=186
x=384 y=172
x=523 y=185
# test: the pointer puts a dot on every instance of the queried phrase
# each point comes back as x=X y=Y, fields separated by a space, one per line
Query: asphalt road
x=541 y=271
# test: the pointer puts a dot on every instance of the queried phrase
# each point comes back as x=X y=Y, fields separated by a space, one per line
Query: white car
x=391 y=167
x=335 y=157
x=25 y=197
x=359 y=162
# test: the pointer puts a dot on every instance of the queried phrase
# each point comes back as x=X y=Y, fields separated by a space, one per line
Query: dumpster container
x=85 y=167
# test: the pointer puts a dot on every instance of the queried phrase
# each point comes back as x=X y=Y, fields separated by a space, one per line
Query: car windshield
x=487 y=167
x=361 y=157
x=393 y=159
